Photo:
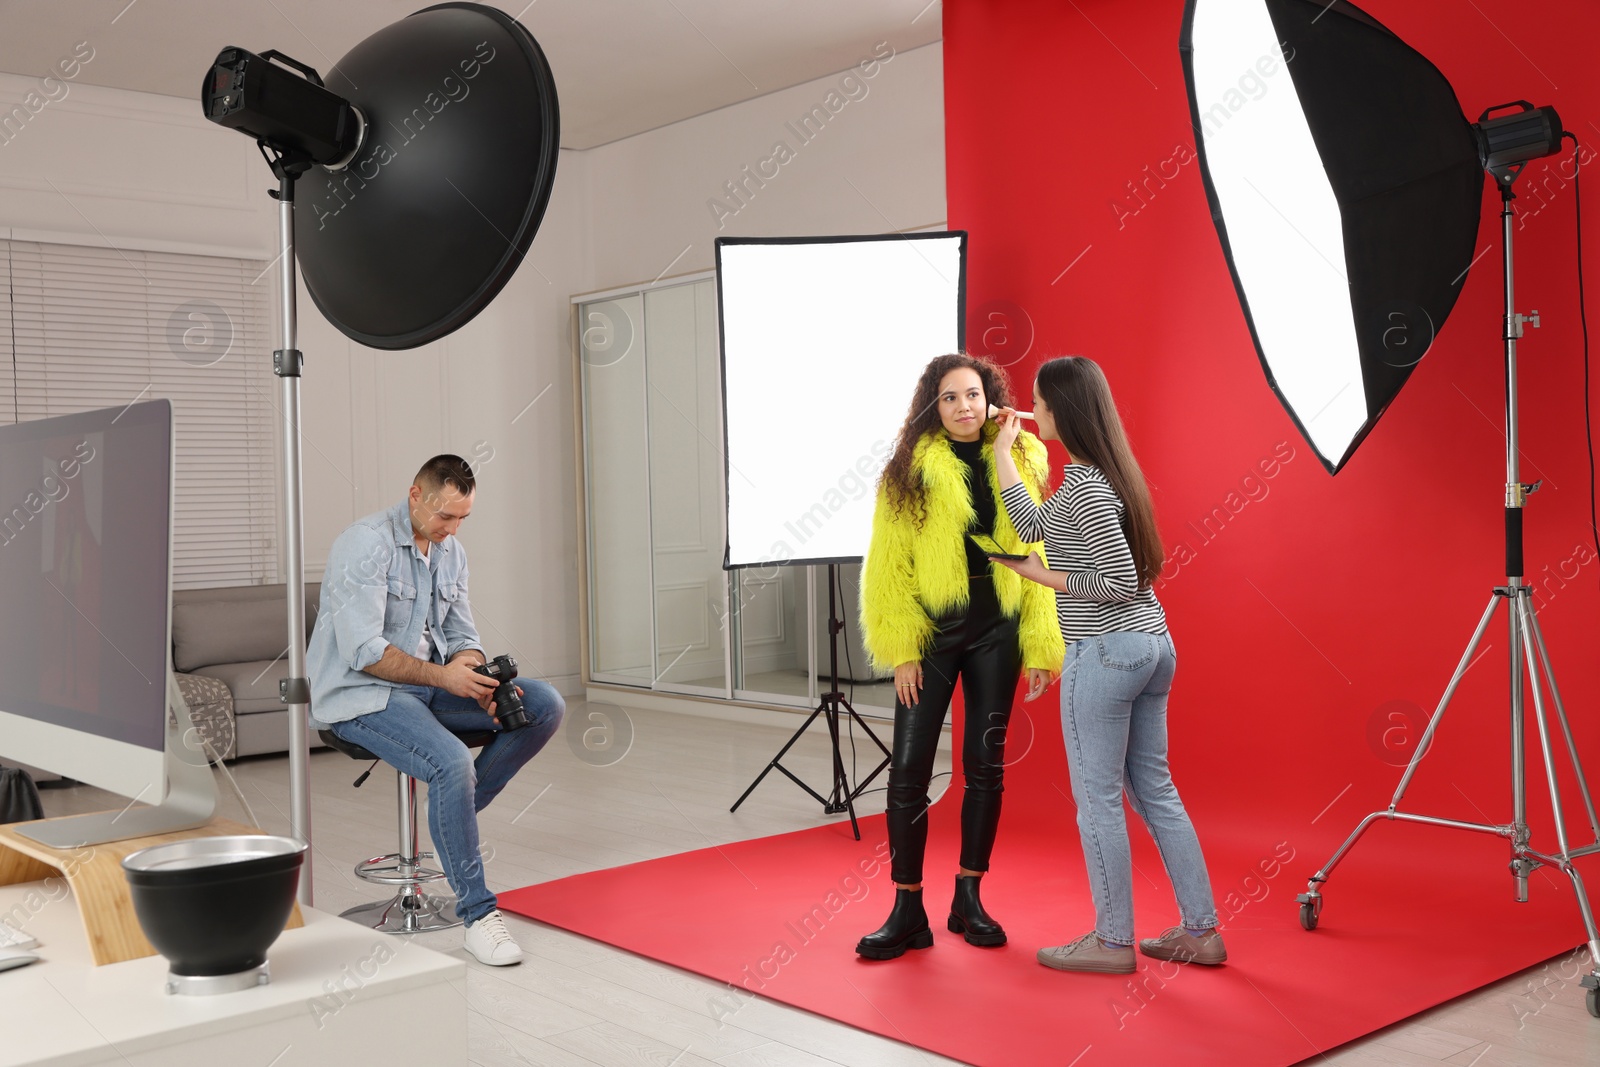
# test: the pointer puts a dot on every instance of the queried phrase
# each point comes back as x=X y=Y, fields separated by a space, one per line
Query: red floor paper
x=779 y=917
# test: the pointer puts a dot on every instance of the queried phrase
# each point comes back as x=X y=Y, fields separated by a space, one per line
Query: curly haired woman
x=935 y=609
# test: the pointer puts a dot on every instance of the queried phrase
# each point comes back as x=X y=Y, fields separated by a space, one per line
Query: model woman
x=935 y=609
x=1104 y=552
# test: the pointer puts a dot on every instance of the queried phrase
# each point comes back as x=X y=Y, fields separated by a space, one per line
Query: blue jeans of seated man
x=1114 y=721
x=415 y=733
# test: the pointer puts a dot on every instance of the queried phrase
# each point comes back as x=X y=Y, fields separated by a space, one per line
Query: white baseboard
x=568 y=685
x=729 y=710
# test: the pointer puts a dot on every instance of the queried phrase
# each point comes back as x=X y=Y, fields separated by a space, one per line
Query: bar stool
x=412 y=909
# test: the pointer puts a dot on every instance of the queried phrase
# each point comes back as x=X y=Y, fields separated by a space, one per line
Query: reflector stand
x=843 y=797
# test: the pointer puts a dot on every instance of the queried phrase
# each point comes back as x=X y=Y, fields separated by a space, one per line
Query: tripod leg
x=1311 y=900
x=1520 y=868
x=1545 y=749
x=1561 y=717
x=1444 y=702
x=861 y=786
x=1590 y=981
x=775 y=760
x=841 y=799
x=859 y=721
x=844 y=799
x=832 y=715
x=1349 y=843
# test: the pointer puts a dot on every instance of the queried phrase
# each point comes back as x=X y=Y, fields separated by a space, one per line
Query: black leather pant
x=980 y=647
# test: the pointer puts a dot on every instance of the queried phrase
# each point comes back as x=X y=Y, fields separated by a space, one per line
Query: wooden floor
x=577 y=1002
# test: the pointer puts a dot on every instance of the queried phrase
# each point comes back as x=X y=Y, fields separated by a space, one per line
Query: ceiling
x=622 y=66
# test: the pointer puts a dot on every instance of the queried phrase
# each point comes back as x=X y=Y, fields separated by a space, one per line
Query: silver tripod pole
x=295 y=690
x=1527 y=652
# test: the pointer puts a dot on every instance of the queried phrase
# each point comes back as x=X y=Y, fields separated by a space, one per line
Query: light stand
x=405 y=264
x=295 y=690
x=1526 y=640
x=842 y=798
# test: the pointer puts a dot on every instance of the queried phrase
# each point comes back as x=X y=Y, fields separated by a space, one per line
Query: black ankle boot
x=907 y=928
x=968 y=918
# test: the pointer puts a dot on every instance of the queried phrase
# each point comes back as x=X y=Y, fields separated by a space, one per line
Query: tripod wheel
x=1311 y=911
x=1592 y=1001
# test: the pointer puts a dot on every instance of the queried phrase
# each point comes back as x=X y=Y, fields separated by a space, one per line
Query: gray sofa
x=228 y=647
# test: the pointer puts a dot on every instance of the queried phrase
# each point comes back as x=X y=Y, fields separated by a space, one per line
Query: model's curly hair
x=904 y=488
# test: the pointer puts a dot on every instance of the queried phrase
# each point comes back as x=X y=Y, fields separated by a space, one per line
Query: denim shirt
x=378 y=590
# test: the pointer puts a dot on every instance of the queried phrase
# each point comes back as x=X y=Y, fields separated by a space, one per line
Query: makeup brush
x=994 y=412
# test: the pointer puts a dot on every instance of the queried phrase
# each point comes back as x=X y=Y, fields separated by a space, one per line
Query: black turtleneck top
x=983 y=507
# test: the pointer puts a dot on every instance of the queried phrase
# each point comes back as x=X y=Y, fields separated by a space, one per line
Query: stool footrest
x=411 y=910
x=385 y=870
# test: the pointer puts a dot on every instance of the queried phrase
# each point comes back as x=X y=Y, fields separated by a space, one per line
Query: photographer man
x=391 y=662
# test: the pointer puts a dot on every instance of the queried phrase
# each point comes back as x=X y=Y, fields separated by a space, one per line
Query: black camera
x=507 y=701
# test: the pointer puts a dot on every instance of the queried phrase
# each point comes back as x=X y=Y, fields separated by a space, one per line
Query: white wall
x=132 y=170
x=135 y=170
x=875 y=166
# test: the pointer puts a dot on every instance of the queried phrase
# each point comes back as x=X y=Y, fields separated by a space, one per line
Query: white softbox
x=823 y=339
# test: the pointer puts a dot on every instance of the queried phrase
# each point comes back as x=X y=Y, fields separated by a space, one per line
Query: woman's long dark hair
x=1075 y=390
x=905 y=489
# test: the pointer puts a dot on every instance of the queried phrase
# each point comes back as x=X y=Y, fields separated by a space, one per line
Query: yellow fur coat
x=913 y=575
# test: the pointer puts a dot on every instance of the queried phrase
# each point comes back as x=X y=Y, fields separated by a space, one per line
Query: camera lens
x=509 y=708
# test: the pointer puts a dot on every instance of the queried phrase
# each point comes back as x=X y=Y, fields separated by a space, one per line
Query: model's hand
x=1032 y=568
x=463 y=681
x=1039 y=680
x=1010 y=425
x=908 y=682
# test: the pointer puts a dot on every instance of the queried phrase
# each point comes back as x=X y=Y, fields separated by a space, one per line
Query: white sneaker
x=490 y=942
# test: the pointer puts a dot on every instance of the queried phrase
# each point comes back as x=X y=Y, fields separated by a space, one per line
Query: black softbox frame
x=1403 y=165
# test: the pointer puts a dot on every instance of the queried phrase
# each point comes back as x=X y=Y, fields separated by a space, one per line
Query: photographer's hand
x=461 y=680
x=487 y=702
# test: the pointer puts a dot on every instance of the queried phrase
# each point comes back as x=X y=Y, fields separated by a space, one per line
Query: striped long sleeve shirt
x=1081 y=526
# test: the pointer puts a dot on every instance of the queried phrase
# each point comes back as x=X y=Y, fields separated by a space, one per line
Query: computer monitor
x=85 y=619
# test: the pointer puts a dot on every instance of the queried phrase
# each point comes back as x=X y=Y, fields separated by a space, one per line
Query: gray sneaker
x=1181 y=946
x=1089 y=953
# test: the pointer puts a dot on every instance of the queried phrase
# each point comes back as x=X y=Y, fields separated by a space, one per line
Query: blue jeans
x=416 y=734
x=1114 y=721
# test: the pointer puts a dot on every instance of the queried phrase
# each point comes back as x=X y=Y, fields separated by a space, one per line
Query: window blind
x=102 y=327
x=8 y=377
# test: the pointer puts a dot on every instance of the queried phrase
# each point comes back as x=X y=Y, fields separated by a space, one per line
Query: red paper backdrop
x=1313 y=610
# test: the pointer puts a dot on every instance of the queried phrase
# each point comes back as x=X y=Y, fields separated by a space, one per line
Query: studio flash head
x=296 y=116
